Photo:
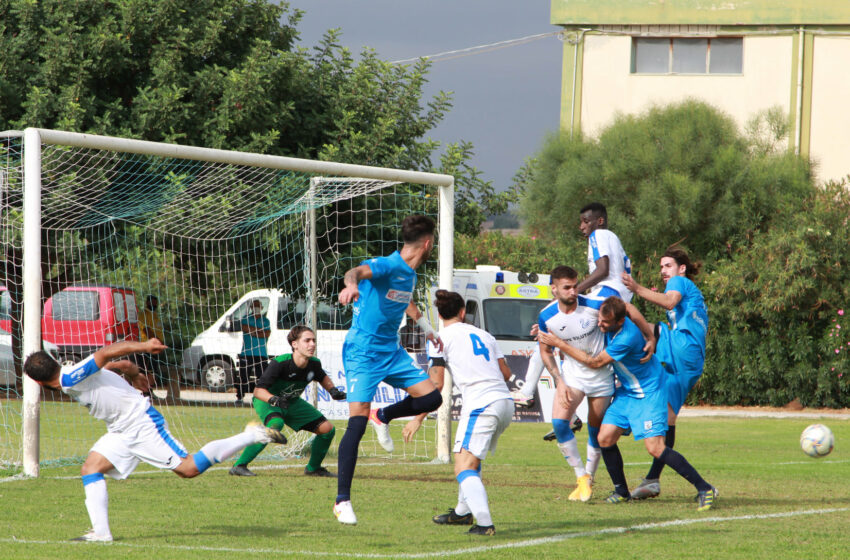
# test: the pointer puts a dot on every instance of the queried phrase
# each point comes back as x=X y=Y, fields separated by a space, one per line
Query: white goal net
x=102 y=234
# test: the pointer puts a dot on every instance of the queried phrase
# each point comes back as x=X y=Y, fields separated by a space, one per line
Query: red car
x=80 y=319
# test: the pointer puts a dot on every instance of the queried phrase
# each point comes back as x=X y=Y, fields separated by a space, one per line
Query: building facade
x=744 y=57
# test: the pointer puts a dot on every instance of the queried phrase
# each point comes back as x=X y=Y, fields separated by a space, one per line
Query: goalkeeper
x=277 y=401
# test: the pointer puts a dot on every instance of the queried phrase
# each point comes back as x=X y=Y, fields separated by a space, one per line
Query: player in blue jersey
x=381 y=290
x=639 y=405
x=681 y=347
x=606 y=259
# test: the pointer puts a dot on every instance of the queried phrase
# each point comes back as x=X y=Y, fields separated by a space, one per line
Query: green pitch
x=774 y=503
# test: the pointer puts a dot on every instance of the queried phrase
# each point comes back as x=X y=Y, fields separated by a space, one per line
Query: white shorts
x=478 y=430
x=147 y=440
x=599 y=384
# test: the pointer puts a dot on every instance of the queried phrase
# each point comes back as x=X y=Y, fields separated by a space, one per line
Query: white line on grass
x=459 y=551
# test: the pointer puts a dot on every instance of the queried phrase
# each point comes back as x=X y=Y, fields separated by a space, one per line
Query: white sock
x=461 y=508
x=593 y=455
x=97 y=504
x=570 y=451
x=532 y=375
x=221 y=449
x=476 y=497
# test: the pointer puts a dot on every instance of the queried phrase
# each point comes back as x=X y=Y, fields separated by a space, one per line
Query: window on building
x=719 y=55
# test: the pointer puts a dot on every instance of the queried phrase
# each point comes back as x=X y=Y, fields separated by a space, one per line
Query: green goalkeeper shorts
x=298 y=414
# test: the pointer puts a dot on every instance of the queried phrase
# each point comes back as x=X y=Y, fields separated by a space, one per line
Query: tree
x=681 y=173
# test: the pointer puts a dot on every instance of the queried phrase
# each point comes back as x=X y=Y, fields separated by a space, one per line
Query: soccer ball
x=817 y=441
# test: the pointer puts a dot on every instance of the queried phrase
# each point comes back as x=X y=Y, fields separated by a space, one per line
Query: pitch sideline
x=455 y=552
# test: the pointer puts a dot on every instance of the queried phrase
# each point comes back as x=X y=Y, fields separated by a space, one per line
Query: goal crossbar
x=33 y=138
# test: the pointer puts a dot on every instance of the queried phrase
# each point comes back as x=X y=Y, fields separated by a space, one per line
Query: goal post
x=333 y=225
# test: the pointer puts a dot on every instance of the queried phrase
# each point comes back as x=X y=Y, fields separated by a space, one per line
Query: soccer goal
x=93 y=226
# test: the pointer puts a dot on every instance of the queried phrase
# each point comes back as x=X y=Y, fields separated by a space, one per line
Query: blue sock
x=202 y=462
x=593 y=436
x=347 y=456
x=562 y=430
x=90 y=478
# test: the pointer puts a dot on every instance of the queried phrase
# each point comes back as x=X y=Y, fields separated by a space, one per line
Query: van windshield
x=511 y=319
x=76 y=306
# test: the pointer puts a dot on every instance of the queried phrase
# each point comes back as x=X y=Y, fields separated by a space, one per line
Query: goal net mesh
x=206 y=240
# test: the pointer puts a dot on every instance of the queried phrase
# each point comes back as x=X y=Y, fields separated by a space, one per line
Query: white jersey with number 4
x=472 y=356
x=105 y=393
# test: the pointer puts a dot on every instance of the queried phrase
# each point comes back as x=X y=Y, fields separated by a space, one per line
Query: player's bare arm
x=505 y=369
x=422 y=322
x=262 y=394
x=351 y=293
x=551 y=366
x=598 y=361
x=645 y=328
x=667 y=300
x=437 y=375
x=131 y=373
x=119 y=349
x=594 y=277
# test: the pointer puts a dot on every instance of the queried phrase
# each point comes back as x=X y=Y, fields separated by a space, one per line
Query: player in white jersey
x=606 y=258
x=136 y=431
x=573 y=318
x=480 y=371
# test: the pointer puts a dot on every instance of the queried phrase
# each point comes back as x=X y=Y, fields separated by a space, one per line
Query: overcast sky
x=505 y=101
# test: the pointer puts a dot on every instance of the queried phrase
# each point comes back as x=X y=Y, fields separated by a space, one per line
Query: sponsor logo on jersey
x=586 y=323
x=399 y=296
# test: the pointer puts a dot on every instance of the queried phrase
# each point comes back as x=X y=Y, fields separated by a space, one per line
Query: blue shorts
x=365 y=369
x=646 y=417
x=683 y=359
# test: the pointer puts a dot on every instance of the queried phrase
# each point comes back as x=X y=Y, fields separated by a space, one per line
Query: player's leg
x=222 y=449
x=97 y=498
x=614 y=423
x=477 y=435
x=272 y=417
x=650 y=486
x=422 y=394
x=301 y=415
x=596 y=407
x=567 y=442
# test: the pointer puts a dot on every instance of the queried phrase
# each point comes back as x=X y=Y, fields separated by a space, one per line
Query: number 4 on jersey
x=478 y=347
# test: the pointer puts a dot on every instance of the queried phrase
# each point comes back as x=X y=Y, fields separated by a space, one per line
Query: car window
x=76 y=306
x=132 y=311
x=118 y=302
x=5 y=305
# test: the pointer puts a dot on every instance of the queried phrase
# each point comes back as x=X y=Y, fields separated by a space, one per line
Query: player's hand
x=435 y=340
x=349 y=294
x=410 y=429
x=548 y=339
x=337 y=394
x=630 y=282
x=277 y=401
x=649 y=349
x=155 y=346
x=535 y=328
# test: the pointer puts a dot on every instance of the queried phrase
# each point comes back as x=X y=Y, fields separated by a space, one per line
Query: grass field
x=774 y=503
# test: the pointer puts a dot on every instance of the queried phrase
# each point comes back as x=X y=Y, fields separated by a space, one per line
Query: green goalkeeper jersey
x=284 y=379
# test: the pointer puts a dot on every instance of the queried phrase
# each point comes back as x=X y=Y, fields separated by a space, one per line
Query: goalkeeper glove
x=337 y=394
x=277 y=401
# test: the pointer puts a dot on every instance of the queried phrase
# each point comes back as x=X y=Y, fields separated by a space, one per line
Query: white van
x=212 y=358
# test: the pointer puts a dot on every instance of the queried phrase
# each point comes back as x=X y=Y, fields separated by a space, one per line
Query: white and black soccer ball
x=817 y=441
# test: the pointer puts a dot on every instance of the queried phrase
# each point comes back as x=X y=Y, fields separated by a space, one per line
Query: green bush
x=777 y=324
x=527 y=253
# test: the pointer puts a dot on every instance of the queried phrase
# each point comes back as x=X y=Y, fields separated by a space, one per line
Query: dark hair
x=681 y=257
x=562 y=271
x=41 y=366
x=448 y=303
x=150 y=300
x=296 y=332
x=597 y=208
x=415 y=227
x=614 y=307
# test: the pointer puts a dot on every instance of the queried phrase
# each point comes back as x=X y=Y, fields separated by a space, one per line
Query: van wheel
x=217 y=375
